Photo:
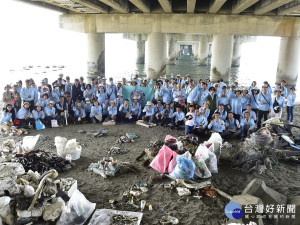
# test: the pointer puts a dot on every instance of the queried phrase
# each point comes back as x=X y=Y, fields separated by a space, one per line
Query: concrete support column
x=203 y=51
x=288 y=59
x=209 y=49
x=195 y=51
x=236 y=54
x=157 y=54
x=221 y=57
x=171 y=51
x=96 y=54
x=140 y=47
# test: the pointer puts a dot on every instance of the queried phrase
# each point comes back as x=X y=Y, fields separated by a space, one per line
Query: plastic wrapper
x=103 y=216
x=29 y=142
x=206 y=155
x=77 y=211
x=184 y=169
x=162 y=160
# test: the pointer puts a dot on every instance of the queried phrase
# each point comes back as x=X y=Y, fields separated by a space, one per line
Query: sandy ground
x=283 y=178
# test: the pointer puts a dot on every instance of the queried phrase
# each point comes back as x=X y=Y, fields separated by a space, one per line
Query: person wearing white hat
x=278 y=103
x=79 y=114
x=149 y=112
x=112 y=111
x=101 y=94
x=38 y=113
x=135 y=108
x=88 y=107
x=119 y=100
x=24 y=116
x=51 y=113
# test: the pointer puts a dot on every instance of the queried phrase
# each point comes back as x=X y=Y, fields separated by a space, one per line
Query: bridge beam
x=96 y=54
x=267 y=6
x=241 y=5
x=216 y=5
x=221 y=57
x=289 y=8
x=287 y=68
x=142 y=5
x=166 y=5
x=121 y=7
x=190 y=6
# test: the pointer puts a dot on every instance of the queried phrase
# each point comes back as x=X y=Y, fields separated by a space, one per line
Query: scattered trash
x=169 y=220
x=95 y=133
x=10 y=130
x=29 y=142
x=116 y=151
x=183 y=191
x=129 y=137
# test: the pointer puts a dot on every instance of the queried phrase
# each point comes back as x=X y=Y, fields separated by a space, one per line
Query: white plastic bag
x=64 y=147
x=201 y=168
x=29 y=142
x=215 y=137
x=60 y=143
x=202 y=152
x=207 y=156
x=77 y=211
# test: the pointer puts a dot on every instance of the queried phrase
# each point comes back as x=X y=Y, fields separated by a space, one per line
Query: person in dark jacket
x=76 y=91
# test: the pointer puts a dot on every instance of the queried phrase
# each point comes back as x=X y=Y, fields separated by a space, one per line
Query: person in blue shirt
x=278 y=103
x=177 y=118
x=105 y=112
x=221 y=110
x=38 y=114
x=27 y=94
x=247 y=126
x=217 y=125
x=44 y=100
x=232 y=127
x=205 y=110
x=119 y=88
x=201 y=95
x=87 y=108
x=209 y=84
x=88 y=92
x=135 y=109
x=192 y=92
x=290 y=103
x=111 y=92
x=101 y=94
x=283 y=88
x=24 y=116
x=158 y=108
x=119 y=100
x=79 y=114
x=224 y=98
x=124 y=112
x=253 y=99
x=269 y=89
x=149 y=112
x=165 y=115
x=19 y=88
x=96 y=113
x=51 y=114
x=7 y=114
x=112 y=111
x=221 y=84
x=245 y=94
x=55 y=94
x=236 y=103
x=200 y=123
x=166 y=92
x=179 y=96
x=253 y=85
x=264 y=103
x=252 y=113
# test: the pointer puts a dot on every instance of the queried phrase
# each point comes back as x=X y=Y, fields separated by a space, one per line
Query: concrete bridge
x=166 y=23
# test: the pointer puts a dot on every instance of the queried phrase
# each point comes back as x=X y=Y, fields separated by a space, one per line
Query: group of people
x=201 y=107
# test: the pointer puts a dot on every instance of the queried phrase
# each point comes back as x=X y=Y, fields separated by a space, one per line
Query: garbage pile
x=116 y=151
x=34 y=197
x=10 y=130
x=109 y=167
x=67 y=148
x=94 y=133
x=42 y=161
x=129 y=137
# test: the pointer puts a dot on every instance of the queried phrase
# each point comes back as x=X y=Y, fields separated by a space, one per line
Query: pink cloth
x=162 y=160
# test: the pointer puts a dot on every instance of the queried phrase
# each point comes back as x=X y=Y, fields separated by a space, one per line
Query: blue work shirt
x=88 y=107
x=158 y=109
x=136 y=109
x=233 y=124
x=166 y=112
x=88 y=94
x=101 y=97
x=6 y=116
x=283 y=90
x=252 y=115
x=236 y=104
x=22 y=112
x=149 y=111
x=217 y=126
x=50 y=112
x=111 y=93
x=96 y=111
x=178 y=116
x=291 y=99
x=201 y=96
x=223 y=98
x=124 y=108
x=253 y=101
x=250 y=122
x=38 y=114
x=246 y=102
x=178 y=95
x=25 y=92
x=201 y=121
x=223 y=114
x=119 y=101
x=43 y=102
x=80 y=113
x=55 y=96
x=267 y=101
x=192 y=95
x=207 y=112
x=112 y=110
x=166 y=94
x=105 y=109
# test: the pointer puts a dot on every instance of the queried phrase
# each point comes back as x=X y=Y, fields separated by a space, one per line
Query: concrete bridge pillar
x=209 y=49
x=172 y=51
x=203 y=51
x=157 y=54
x=221 y=57
x=140 y=47
x=195 y=50
x=236 y=54
x=287 y=68
x=96 y=54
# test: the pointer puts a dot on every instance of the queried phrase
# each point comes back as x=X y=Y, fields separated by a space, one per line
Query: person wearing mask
x=79 y=114
x=265 y=103
x=27 y=94
x=247 y=126
x=24 y=115
x=177 y=118
x=96 y=113
x=217 y=125
x=232 y=127
x=200 y=123
x=290 y=104
x=112 y=111
x=278 y=103
x=7 y=115
x=8 y=96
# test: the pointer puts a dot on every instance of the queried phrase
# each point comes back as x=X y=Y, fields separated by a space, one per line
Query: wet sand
x=190 y=211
